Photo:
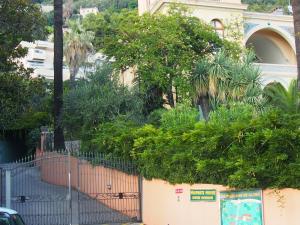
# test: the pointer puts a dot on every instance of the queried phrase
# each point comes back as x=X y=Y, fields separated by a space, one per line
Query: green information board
x=241 y=208
x=203 y=195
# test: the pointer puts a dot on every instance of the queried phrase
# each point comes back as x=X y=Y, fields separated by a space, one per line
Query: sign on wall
x=178 y=190
x=203 y=195
x=241 y=207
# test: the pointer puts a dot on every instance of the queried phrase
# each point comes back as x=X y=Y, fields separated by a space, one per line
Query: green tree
x=287 y=100
x=20 y=20
x=223 y=79
x=266 y=5
x=24 y=101
x=163 y=48
x=77 y=46
x=98 y=99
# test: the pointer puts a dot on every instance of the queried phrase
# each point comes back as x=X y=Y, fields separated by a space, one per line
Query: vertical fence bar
x=1 y=187
x=78 y=188
x=140 y=184
x=69 y=186
x=8 y=188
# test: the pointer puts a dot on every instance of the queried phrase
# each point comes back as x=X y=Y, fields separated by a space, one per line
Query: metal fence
x=60 y=188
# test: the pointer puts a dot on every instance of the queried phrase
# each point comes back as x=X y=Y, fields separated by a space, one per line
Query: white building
x=47 y=8
x=41 y=55
x=40 y=59
x=86 y=11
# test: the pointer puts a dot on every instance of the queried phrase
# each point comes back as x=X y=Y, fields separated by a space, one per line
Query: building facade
x=40 y=58
x=271 y=35
x=86 y=11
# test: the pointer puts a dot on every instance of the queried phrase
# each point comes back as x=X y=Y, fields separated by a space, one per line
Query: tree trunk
x=153 y=99
x=296 y=14
x=203 y=101
x=68 y=10
x=73 y=73
x=170 y=97
x=170 y=94
x=59 y=142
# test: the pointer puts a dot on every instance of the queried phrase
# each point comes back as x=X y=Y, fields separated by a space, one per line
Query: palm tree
x=68 y=9
x=59 y=142
x=222 y=79
x=288 y=100
x=77 y=46
x=296 y=14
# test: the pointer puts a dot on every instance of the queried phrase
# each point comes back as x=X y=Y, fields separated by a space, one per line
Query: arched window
x=218 y=27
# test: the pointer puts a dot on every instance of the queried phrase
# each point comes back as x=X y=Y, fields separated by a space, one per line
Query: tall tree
x=296 y=14
x=222 y=79
x=20 y=20
x=163 y=55
x=77 y=46
x=59 y=142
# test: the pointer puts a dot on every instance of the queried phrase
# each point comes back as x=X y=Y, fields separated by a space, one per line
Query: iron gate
x=63 y=188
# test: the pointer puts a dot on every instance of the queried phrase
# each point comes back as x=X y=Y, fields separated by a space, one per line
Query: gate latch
x=121 y=195
x=22 y=198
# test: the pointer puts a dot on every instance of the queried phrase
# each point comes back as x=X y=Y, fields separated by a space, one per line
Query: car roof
x=9 y=211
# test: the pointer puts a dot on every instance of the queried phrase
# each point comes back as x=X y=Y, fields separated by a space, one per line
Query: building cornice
x=268 y=17
x=204 y=3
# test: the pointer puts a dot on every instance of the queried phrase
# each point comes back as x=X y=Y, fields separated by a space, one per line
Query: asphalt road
x=47 y=204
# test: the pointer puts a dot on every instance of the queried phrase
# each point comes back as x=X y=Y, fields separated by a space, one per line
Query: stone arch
x=272 y=46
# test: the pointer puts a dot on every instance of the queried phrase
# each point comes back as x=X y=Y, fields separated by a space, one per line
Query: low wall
x=103 y=184
x=162 y=206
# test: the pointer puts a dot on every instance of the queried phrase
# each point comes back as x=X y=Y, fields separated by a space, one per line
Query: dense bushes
x=97 y=99
x=236 y=147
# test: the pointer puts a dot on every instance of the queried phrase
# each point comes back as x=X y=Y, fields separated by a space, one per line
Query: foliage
x=32 y=140
x=114 y=138
x=77 y=47
x=24 y=101
x=99 y=98
x=222 y=79
x=49 y=18
x=237 y=147
x=163 y=55
x=265 y=5
x=235 y=112
x=155 y=116
x=287 y=100
x=20 y=20
x=102 y=5
x=245 y=150
x=181 y=117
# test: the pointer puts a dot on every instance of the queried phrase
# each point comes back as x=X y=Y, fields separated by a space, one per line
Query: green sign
x=241 y=207
x=203 y=195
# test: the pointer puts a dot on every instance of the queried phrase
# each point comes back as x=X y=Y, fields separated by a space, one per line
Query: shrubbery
x=236 y=147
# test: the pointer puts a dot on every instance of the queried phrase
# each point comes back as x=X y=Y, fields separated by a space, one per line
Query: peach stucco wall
x=96 y=181
x=162 y=206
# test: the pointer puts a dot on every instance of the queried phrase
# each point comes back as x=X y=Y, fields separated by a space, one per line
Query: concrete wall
x=96 y=181
x=162 y=206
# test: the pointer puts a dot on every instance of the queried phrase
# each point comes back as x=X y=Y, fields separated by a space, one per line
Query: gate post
x=8 y=188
